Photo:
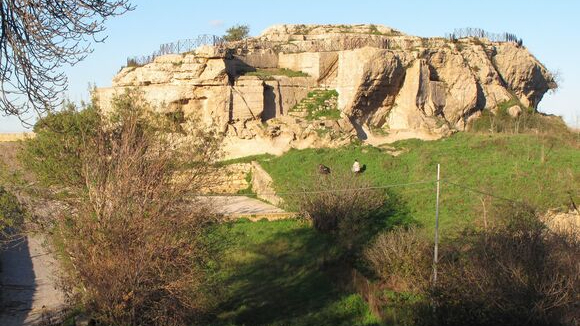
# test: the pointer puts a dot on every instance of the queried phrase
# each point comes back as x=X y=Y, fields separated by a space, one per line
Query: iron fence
x=478 y=32
x=181 y=46
x=316 y=45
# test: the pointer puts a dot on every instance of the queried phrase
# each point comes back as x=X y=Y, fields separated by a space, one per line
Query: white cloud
x=216 y=23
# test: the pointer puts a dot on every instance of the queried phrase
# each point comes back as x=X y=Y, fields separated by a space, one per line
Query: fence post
x=436 y=249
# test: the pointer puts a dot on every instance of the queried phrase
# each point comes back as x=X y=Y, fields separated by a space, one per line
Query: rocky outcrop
x=564 y=223
x=385 y=80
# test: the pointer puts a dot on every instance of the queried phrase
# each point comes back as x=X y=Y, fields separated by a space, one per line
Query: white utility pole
x=435 y=252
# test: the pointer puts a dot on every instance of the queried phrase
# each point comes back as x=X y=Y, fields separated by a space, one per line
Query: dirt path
x=29 y=294
x=240 y=206
x=28 y=274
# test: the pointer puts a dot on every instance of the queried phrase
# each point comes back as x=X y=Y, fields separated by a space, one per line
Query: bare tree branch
x=38 y=37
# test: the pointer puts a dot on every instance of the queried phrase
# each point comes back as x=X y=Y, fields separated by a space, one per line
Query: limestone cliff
x=262 y=92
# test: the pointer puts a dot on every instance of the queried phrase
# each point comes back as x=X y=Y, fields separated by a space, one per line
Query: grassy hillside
x=539 y=170
x=272 y=273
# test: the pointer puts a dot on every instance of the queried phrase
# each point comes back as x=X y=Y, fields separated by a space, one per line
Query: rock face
x=385 y=80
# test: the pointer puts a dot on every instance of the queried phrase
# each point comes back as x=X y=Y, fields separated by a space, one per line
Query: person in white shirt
x=356 y=167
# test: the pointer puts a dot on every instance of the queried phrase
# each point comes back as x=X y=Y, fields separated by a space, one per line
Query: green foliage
x=237 y=33
x=268 y=73
x=135 y=246
x=8 y=175
x=53 y=155
x=272 y=273
x=529 y=120
x=403 y=308
x=315 y=105
x=506 y=165
x=11 y=214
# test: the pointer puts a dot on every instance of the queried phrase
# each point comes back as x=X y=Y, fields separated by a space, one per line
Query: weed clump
x=341 y=204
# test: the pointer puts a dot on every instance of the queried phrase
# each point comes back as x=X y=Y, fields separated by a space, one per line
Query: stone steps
x=301 y=109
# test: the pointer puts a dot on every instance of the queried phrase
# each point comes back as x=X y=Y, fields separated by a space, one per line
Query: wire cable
x=322 y=191
x=483 y=192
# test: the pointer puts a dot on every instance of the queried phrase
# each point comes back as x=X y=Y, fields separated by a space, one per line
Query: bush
x=401 y=258
x=54 y=154
x=342 y=204
x=237 y=33
x=528 y=121
x=134 y=242
x=515 y=272
x=11 y=214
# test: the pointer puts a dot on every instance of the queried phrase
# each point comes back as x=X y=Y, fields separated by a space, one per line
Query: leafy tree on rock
x=237 y=33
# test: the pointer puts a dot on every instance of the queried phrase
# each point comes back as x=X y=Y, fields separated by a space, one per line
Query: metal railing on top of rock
x=181 y=46
x=350 y=43
x=314 y=45
x=478 y=32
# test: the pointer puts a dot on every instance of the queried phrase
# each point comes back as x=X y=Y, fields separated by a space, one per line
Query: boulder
x=515 y=111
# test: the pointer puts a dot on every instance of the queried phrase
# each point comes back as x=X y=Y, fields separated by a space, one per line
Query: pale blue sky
x=549 y=30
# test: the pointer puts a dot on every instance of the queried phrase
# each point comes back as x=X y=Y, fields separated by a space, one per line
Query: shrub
x=133 y=240
x=528 y=121
x=268 y=73
x=53 y=155
x=401 y=258
x=515 y=272
x=342 y=204
x=11 y=214
x=237 y=33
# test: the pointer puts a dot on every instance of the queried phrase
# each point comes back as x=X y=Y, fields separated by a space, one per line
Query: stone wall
x=229 y=179
x=263 y=185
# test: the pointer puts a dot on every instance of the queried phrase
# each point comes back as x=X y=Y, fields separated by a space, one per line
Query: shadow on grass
x=281 y=281
x=284 y=273
x=394 y=212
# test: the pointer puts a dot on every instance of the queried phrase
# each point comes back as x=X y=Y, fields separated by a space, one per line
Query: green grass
x=539 y=170
x=527 y=121
x=332 y=114
x=316 y=108
x=272 y=273
x=269 y=73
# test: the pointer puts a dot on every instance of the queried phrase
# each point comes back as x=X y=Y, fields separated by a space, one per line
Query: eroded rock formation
x=386 y=81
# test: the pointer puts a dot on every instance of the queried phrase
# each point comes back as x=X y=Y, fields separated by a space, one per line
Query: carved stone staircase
x=301 y=109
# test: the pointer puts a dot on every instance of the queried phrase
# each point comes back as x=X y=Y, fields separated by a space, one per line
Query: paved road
x=28 y=276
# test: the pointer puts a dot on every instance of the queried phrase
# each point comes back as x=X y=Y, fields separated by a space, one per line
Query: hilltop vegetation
x=495 y=187
x=540 y=170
